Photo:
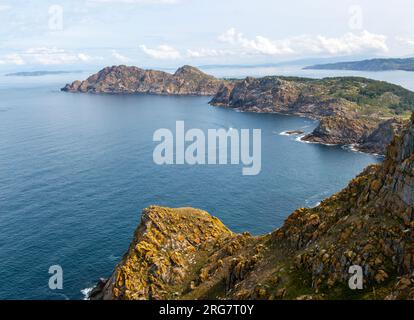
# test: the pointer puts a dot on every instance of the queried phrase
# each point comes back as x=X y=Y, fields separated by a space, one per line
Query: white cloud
x=119 y=57
x=55 y=56
x=406 y=41
x=163 y=52
x=12 y=58
x=259 y=44
x=349 y=43
x=46 y=56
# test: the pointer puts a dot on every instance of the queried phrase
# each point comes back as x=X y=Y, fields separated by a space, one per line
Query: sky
x=82 y=34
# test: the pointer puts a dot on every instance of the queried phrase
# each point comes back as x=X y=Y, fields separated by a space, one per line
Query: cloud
x=405 y=41
x=162 y=52
x=119 y=57
x=5 y=7
x=349 y=43
x=259 y=44
x=12 y=58
x=55 y=56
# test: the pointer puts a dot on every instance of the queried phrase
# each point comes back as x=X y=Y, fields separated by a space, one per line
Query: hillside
x=350 y=109
x=368 y=65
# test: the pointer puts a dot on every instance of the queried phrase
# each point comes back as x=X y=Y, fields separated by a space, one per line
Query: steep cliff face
x=350 y=110
x=340 y=130
x=186 y=80
x=381 y=137
x=187 y=254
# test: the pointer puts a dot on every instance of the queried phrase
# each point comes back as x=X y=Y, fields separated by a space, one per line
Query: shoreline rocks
x=293 y=132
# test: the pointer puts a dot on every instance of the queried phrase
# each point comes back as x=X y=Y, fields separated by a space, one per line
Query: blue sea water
x=76 y=170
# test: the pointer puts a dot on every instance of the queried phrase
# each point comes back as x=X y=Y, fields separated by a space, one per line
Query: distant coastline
x=368 y=65
x=38 y=73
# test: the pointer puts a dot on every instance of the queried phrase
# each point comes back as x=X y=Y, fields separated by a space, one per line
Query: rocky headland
x=188 y=254
x=351 y=111
x=186 y=80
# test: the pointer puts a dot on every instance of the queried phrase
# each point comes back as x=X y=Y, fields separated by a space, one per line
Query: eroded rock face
x=186 y=80
x=167 y=248
x=187 y=254
x=381 y=137
x=340 y=130
x=340 y=104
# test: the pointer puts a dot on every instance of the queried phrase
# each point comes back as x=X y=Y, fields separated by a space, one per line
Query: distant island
x=368 y=65
x=38 y=73
x=187 y=80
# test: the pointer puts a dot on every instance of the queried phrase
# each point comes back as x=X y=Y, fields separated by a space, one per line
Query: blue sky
x=168 y=33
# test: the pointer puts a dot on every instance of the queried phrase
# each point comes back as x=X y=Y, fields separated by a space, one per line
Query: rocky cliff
x=186 y=80
x=188 y=254
x=351 y=110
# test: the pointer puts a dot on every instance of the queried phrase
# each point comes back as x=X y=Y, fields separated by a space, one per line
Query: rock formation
x=186 y=80
x=351 y=110
x=188 y=254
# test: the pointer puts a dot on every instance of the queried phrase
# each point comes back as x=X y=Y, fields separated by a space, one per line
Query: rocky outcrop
x=340 y=130
x=187 y=254
x=186 y=80
x=168 y=247
x=350 y=110
x=381 y=137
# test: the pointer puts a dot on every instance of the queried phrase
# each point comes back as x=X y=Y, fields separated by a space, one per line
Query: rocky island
x=351 y=110
x=188 y=254
x=186 y=80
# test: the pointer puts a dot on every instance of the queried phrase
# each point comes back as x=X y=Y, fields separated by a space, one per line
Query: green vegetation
x=371 y=96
